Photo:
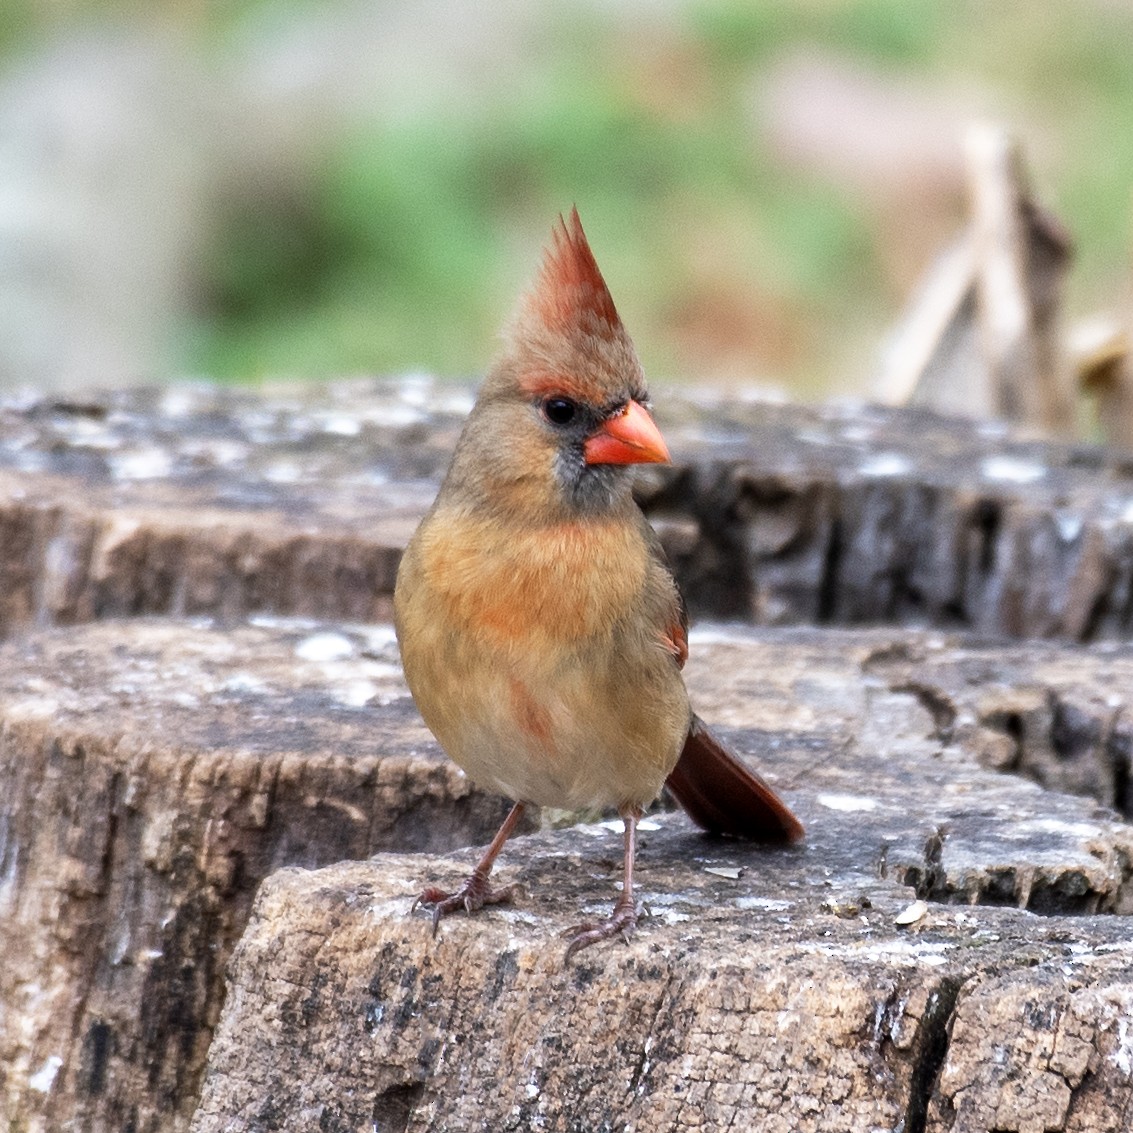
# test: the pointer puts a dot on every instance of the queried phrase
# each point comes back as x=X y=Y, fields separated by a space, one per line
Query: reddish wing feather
x=723 y=796
x=676 y=642
x=674 y=637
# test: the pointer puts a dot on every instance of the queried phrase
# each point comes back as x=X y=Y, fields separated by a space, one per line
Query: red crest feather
x=570 y=286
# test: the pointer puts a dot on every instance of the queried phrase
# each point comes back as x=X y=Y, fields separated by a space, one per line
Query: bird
x=542 y=633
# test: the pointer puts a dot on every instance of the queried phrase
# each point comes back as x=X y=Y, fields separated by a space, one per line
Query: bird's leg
x=475 y=893
x=623 y=920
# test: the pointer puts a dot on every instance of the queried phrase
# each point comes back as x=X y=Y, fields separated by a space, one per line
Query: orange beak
x=629 y=438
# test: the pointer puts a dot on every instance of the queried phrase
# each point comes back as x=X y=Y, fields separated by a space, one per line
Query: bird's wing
x=674 y=631
x=718 y=790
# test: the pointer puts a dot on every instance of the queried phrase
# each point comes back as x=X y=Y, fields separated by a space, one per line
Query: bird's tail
x=723 y=796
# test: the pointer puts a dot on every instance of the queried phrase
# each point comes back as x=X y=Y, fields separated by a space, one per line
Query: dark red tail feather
x=723 y=796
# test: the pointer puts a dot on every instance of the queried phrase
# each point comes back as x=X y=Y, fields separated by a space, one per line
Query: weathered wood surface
x=1044 y=712
x=769 y=990
x=197 y=500
x=151 y=775
x=153 y=772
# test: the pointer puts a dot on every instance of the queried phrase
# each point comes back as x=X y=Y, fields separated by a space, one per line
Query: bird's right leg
x=475 y=893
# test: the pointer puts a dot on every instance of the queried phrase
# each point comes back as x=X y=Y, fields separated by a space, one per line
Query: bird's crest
x=569 y=291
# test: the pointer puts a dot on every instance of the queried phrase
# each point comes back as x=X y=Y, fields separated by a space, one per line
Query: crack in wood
x=933 y=1038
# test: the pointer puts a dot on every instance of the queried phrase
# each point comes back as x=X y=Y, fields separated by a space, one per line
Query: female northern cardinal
x=541 y=631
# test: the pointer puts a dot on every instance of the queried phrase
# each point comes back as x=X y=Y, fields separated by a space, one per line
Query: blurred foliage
x=406 y=245
x=407 y=252
x=418 y=234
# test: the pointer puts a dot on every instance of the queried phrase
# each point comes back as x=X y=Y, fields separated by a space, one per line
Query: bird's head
x=565 y=411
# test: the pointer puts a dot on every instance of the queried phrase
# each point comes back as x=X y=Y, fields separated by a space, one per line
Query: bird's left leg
x=475 y=893
x=623 y=920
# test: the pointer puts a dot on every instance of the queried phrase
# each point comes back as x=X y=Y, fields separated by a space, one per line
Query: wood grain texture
x=151 y=775
x=770 y=988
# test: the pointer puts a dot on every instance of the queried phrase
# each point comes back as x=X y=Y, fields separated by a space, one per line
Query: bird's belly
x=584 y=734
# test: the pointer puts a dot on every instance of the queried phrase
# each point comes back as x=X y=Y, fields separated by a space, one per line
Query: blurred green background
x=289 y=189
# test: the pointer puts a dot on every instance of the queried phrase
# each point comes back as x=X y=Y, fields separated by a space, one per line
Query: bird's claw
x=621 y=922
x=474 y=894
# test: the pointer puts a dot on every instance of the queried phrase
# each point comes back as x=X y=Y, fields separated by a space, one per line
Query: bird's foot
x=474 y=894
x=621 y=922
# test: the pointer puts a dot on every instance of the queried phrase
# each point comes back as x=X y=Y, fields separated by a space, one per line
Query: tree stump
x=153 y=774
x=195 y=500
x=795 y=990
x=154 y=771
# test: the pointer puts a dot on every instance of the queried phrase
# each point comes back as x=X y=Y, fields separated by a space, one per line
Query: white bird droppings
x=885 y=464
x=44 y=1078
x=324 y=647
x=846 y=803
x=1011 y=469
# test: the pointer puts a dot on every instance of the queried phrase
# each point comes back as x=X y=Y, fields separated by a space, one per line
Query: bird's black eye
x=559 y=410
